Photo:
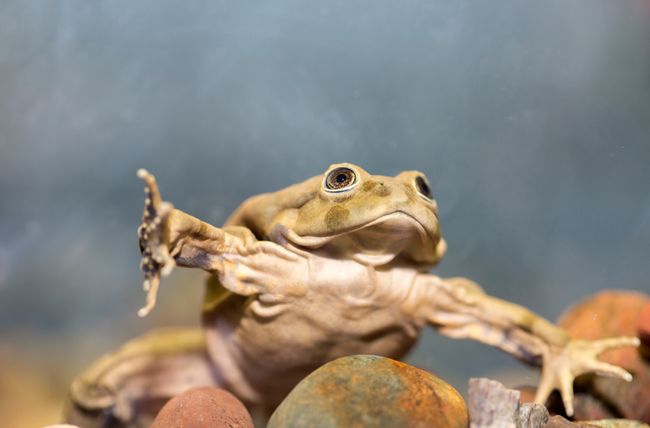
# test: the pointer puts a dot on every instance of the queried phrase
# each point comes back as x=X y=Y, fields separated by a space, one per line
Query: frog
x=337 y=265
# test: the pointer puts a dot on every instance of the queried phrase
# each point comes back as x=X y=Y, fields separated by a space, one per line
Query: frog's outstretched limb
x=127 y=388
x=459 y=308
x=170 y=237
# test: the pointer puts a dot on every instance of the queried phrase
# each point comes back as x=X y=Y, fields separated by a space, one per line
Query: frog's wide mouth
x=381 y=238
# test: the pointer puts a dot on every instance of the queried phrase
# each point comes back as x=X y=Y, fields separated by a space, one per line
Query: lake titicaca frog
x=333 y=266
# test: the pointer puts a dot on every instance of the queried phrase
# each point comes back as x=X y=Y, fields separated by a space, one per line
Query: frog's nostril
x=382 y=190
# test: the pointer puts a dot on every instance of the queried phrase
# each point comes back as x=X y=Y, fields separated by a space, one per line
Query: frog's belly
x=262 y=359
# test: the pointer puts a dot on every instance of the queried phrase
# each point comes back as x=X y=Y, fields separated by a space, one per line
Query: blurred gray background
x=531 y=119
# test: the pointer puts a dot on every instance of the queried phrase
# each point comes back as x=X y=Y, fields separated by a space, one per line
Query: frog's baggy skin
x=336 y=265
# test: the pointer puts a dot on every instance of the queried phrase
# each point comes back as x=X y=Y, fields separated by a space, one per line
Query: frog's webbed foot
x=154 y=240
x=562 y=366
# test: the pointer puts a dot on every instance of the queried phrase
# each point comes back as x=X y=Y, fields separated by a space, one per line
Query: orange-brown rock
x=371 y=391
x=643 y=326
x=203 y=407
x=612 y=313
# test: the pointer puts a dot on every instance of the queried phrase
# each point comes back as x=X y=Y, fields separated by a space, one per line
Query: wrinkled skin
x=336 y=265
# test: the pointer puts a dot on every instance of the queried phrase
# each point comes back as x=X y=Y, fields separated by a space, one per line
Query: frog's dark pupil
x=423 y=187
x=340 y=179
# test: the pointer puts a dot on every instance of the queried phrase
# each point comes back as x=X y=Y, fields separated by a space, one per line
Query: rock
x=591 y=406
x=559 y=422
x=203 y=407
x=370 y=391
x=527 y=393
x=618 y=423
x=532 y=415
x=607 y=314
x=643 y=326
x=492 y=405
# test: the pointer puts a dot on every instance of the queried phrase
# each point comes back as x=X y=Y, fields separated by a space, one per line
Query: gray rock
x=492 y=405
x=532 y=415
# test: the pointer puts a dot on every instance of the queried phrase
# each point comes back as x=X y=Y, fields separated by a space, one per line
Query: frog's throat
x=397 y=223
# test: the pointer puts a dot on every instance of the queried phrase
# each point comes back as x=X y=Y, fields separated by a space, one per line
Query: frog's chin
x=376 y=242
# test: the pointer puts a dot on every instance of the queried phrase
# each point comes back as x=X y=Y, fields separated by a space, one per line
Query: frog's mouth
x=376 y=242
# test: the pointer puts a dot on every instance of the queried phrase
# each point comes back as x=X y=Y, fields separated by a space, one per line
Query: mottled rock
x=370 y=391
x=618 y=423
x=643 y=326
x=201 y=408
x=607 y=314
x=492 y=405
x=559 y=422
x=532 y=415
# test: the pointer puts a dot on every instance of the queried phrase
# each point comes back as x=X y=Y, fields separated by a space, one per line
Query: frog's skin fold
x=334 y=266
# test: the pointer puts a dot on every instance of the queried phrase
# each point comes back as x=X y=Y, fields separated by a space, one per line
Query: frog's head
x=352 y=213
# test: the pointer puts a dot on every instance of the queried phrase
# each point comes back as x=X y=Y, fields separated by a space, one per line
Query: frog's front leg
x=458 y=308
x=169 y=237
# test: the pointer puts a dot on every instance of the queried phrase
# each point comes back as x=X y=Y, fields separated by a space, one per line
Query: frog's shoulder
x=258 y=213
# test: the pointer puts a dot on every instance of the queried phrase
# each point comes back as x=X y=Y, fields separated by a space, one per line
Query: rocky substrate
x=372 y=391
x=607 y=314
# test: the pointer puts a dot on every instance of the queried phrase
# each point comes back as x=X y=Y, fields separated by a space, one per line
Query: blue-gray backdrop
x=531 y=119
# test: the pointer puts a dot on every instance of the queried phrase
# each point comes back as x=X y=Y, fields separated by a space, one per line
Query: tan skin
x=336 y=265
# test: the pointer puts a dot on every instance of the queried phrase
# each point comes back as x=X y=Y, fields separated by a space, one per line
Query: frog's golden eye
x=340 y=179
x=423 y=187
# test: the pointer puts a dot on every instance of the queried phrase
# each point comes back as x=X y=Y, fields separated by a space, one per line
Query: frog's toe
x=610 y=370
x=544 y=389
x=561 y=380
x=603 y=345
x=566 y=391
x=150 y=285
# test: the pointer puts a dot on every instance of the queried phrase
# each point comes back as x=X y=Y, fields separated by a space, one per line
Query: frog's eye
x=340 y=179
x=423 y=187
